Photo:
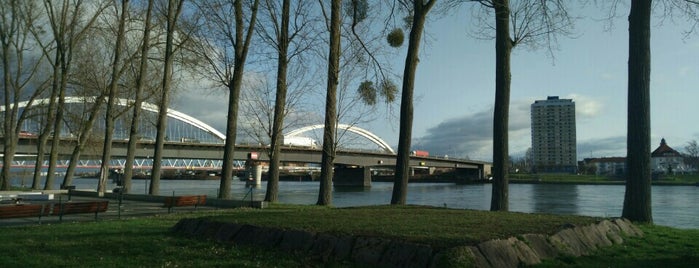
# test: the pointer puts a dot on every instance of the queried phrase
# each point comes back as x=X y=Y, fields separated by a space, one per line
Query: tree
x=110 y=115
x=68 y=26
x=328 y=154
x=419 y=9
x=174 y=8
x=138 y=98
x=281 y=38
x=19 y=71
x=534 y=23
x=637 y=198
x=637 y=206
x=692 y=155
x=224 y=48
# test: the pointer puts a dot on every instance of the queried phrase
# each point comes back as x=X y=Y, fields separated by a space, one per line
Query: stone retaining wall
x=526 y=249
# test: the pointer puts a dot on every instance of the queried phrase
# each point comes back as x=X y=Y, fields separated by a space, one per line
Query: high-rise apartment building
x=553 y=136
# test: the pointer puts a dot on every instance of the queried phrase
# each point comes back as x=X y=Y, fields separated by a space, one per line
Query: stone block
x=186 y=226
x=368 y=250
x=323 y=246
x=207 y=229
x=524 y=253
x=293 y=240
x=260 y=236
x=611 y=230
x=404 y=254
x=499 y=253
x=540 y=244
x=567 y=243
x=226 y=232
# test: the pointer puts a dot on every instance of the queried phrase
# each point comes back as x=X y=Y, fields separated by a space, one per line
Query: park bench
x=96 y=207
x=184 y=201
x=24 y=211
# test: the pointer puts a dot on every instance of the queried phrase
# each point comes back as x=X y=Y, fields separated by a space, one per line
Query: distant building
x=554 y=144
x=665 y=160
x=606 y=166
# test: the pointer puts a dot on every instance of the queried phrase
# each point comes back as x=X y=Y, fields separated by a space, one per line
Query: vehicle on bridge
x=300 y=142
x=420 y=153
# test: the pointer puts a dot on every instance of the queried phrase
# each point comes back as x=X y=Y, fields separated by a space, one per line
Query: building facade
x=665 y=160
x=554 y=143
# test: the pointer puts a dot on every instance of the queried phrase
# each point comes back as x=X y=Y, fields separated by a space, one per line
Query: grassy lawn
x=147 y=242
x=660 y=247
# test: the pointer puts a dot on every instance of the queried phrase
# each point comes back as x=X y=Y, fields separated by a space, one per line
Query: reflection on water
x=672 y=205
x=558 y=199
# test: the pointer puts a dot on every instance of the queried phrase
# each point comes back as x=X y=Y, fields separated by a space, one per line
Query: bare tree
x=138 y=97
x=419 y=9
x=637 y=198
x=224 y=47
x=174 y=9
x=692 y=154
x=69 y=22
x=288 y=43
x=532 y=23
x=19 y=71
x=328 y=154
x=111 y=114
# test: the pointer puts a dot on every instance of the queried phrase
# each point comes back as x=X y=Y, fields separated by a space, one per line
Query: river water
x=675 y=206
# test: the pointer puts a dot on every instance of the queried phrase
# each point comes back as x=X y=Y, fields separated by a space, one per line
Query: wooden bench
x=184 y=201
x=96 y=207
x=24 y=211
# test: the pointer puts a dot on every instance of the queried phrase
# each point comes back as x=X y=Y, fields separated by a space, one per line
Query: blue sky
x=454 y=91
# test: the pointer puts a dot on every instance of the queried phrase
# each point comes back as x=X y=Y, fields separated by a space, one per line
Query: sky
x=455 y=88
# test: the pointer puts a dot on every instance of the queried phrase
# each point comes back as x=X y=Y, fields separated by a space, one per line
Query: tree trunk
x=138 y=100
x=637 y=200
x=279 y=105
x=400 y=181
x=503 y=48
x=58 y=122
x=328 y=155
x=111 y=116
x=234 y=86
x=85 y=132
x=174 y=9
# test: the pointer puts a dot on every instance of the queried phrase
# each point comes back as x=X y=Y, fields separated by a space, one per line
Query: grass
x=660 y=247
x=438 y=227
x=147 y=241
x=142 y=242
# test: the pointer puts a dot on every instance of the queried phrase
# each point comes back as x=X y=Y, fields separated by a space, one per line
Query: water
x=674 y=206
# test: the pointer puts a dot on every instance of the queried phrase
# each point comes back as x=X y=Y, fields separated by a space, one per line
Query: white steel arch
x=145 y=106
x=357 y=130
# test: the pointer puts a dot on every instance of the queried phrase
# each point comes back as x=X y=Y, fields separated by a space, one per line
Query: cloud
x=471 y=136
x=602 y=147
x=586 y=107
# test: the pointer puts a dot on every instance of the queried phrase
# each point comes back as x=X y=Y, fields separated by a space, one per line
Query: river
x=674 y=206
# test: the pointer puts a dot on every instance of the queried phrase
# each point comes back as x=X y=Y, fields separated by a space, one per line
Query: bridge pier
x=352 y=177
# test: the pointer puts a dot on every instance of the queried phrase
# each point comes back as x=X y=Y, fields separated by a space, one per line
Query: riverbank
x=133 y=242
x=675 y=180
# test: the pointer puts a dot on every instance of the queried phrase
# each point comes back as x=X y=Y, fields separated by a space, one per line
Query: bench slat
x=80 y=207
x=22 y=211
x=183 y=201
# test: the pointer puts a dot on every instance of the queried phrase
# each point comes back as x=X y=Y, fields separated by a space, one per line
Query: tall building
x=553 y=136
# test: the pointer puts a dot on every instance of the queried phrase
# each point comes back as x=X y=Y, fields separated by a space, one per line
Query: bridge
x=195 y=144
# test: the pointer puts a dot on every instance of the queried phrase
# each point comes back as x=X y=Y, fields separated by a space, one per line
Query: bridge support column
x=467 y=174
x=352 y=177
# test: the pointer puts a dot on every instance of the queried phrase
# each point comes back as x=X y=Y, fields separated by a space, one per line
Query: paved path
x=128 y=209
